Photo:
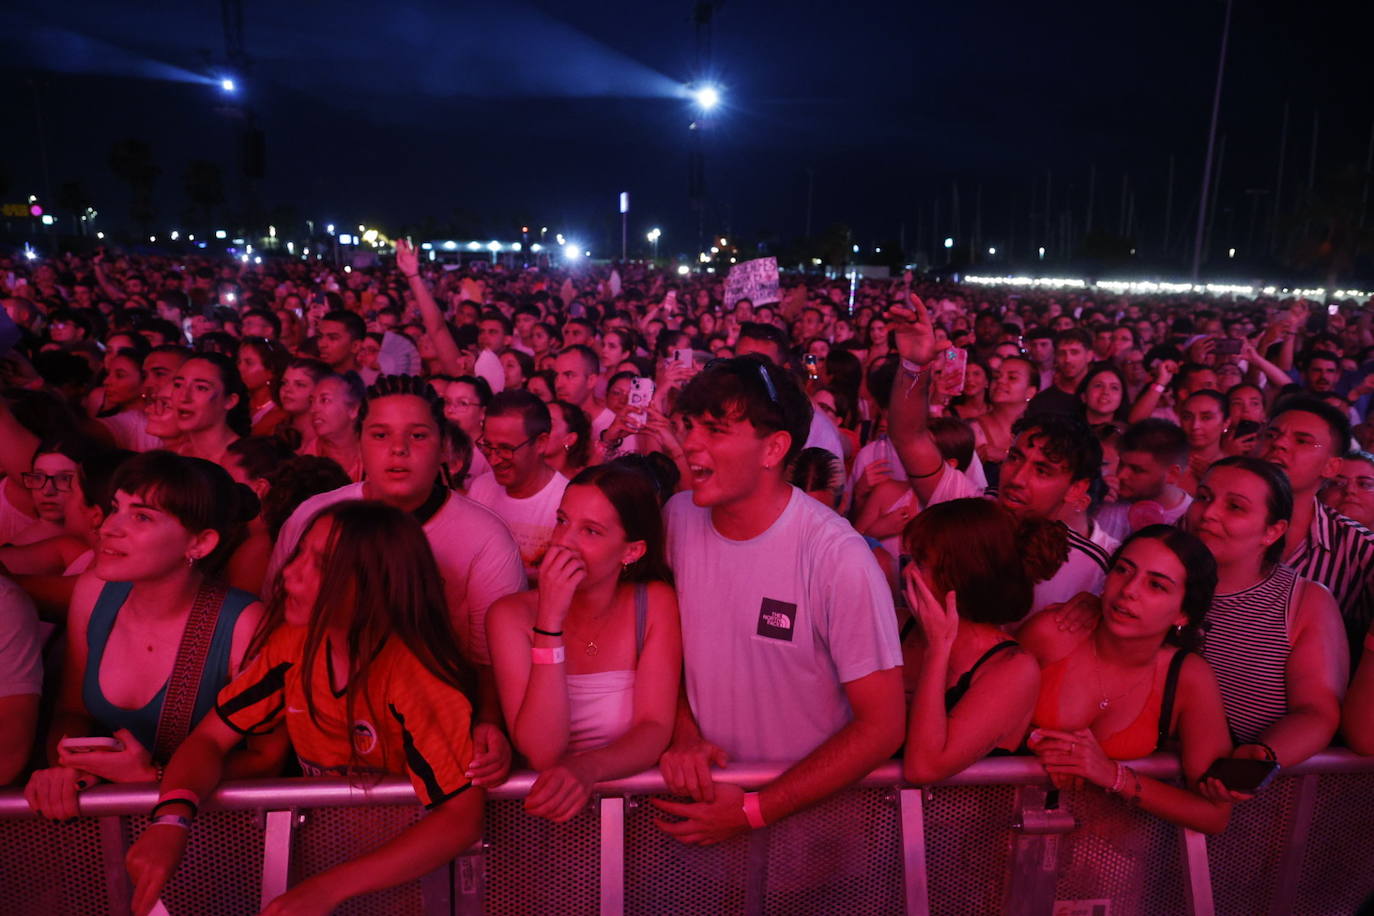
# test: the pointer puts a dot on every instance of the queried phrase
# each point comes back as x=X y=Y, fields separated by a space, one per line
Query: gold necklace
x=592 y=648
x=1106 y=701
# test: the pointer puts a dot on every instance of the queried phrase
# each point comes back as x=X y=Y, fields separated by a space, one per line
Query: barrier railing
x=990 y=840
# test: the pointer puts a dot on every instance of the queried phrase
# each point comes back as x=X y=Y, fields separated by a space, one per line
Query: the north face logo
x=777 y=619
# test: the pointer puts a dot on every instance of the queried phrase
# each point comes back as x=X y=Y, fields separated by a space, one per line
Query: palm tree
x=204 y=187
x=132 y=161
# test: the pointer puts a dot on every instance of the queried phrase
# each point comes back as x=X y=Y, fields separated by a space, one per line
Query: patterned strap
x=183 y=687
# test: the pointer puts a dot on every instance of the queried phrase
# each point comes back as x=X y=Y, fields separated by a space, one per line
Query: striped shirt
x=1338 y=552
x=1247 y=646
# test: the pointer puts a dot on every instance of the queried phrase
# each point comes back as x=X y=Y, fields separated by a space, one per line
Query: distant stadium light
x=572 y=252
x=228 y=85
x=949 y=243
x=707 y=97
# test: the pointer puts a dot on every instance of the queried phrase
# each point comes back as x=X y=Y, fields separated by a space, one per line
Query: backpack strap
x=179 y=704
x=1166 y=708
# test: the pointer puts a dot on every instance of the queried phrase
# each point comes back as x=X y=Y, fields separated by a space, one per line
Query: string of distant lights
x=1151 y=287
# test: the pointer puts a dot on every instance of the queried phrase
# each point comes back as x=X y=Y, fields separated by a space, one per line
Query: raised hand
x=913 y=330
x=407 y=258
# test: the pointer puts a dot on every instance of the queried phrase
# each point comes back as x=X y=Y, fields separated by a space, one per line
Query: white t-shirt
x=130 y=430
x=824 y=434
x=775 y=626
x=531 y=520
x=1116 y=518
x=472 y=546
x=21 y=645
x=1084 y=571
x=602 y=422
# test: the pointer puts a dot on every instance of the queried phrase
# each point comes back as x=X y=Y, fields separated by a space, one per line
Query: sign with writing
x=755 y=280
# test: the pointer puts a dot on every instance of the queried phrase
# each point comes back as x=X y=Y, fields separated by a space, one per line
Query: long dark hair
x=378 y=581
x=1200 y=586
x=632 y=492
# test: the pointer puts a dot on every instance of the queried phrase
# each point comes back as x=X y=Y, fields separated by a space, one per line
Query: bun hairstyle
x=239 y=418
x=990 y=559
x=197 y=493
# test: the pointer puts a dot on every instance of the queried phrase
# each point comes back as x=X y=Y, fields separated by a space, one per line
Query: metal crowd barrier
x=990 y=840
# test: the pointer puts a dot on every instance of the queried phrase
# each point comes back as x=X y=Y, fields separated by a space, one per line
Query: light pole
x=653 y=240
x=1211 y=146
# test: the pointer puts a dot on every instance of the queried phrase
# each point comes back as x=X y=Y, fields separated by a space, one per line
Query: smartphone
x=1228 y=346
x=811 y=361
x=1332 y=309
x=952 y=366
x=683 y=357
x=89 y=745
x=641 y=397
x=1248 y=776
x=1248 y=428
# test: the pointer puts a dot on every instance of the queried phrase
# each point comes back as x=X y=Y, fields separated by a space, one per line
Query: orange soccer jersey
x=407 y=722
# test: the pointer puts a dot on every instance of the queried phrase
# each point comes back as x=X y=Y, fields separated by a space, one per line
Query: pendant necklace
x=1106 y=701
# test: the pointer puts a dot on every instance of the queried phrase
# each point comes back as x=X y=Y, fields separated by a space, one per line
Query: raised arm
x=910 y=408
x=1149 y=399
x=408 y=262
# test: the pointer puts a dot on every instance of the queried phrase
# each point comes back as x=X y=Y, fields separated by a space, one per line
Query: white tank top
x=601 y=704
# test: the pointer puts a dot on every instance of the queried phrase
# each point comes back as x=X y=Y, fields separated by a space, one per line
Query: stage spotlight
x=228 y=85
x=707 y=97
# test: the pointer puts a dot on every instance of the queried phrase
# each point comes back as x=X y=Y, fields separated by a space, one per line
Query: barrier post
x=118 y=892
x=915 y=878
x=280 y=827
x=1040 y=827
x=612 y=855
x=1290 y=868
x=1199 y=871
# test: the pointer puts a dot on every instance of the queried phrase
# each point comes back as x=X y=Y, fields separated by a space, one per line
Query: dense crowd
x=440 y=520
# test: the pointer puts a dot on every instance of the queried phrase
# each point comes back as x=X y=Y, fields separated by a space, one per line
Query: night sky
x=393 y=112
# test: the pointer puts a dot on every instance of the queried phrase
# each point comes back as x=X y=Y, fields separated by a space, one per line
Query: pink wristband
x=185 y=795
x=547 y=656
x=753 y=810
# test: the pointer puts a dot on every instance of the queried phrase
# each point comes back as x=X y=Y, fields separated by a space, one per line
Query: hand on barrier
x=311 y=897
x=686 y=768
x=152 y=861
x=561 y=791
x=133 y=764
x=1071 y=758
x=1214 y=790
x=706 y=823
x=52 y=792
x=491 y=756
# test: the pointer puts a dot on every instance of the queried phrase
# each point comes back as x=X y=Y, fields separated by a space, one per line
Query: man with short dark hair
x=790 y=645
x=1049 y=472
x=1154 y=458
x=767 y=341
x=341 y=333
x=1072 y=356
x=522 y=488
x=1306 y=437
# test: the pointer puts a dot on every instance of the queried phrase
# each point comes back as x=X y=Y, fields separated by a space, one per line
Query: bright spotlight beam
x=228 y=85
x=707 y=97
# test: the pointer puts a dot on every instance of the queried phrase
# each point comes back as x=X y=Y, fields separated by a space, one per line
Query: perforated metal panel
x=968 y=848
x=1338 y=867
x=222 y=870
x=51 y=869
x=1245 y=860
x=665 y=876
x=332 y=836
x=535 y=867
x=1121 y=854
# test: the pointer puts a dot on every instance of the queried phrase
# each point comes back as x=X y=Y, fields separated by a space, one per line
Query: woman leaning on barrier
x=366 y=674
x=1275 y=639
x=151 y=634
x=1125 y=688
x=972 y=689
x=597 y=703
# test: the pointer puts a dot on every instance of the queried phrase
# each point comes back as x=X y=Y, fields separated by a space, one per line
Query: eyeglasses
x=1363 y=484
x=62 y=483
x=503 y=451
